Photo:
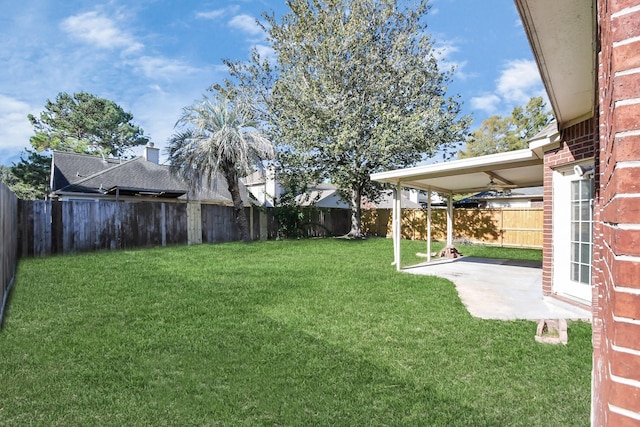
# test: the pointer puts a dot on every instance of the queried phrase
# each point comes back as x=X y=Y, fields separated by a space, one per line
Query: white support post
x=429 y=225
x=394 y=236
x=397 y=226
x=450 y=220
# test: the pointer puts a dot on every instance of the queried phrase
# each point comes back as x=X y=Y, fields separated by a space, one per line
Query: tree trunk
x=238 y=207
x=356 y=214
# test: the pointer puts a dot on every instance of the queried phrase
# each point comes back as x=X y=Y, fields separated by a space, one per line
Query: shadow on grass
x=285 y=376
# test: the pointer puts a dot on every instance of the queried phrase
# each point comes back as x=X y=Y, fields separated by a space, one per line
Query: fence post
x=8 y=243
x=264 y=225
x=251 y=223
x=163 y=223
x=194 y=223
x=502 y=228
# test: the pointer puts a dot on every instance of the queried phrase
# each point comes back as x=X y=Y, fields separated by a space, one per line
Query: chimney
x=151 y=154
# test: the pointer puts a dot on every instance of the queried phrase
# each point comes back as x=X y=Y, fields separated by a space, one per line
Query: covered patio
x=489 y=288
x=502 y=171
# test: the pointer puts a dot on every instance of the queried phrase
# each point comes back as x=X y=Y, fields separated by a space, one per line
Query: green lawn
x=309 y=332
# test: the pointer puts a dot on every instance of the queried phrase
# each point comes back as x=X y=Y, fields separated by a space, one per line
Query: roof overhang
x=521 y=168
x=145 y=192
x=562 y=35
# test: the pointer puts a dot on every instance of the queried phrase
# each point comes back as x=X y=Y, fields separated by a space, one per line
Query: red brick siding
x=626 y=335
x=578 y=143
x=625 y=26
x=616 y=368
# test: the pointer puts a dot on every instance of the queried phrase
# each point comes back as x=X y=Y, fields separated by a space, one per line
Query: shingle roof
x=516 y=193
x=70 y=168
x=82 y=173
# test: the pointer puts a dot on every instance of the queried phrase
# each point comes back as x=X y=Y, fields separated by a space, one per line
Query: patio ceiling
x=521 y=168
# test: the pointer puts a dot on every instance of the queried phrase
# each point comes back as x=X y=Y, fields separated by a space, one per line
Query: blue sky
x=153 y=57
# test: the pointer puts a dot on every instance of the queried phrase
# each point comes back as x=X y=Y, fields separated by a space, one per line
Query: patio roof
x=513 y=169
x=521 y=168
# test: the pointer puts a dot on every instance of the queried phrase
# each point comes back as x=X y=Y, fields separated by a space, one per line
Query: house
x=588 y=54
x=323 y=195
x=262 y=186
x=265 y=189
x=85 y=177
x=518 y=198
x=411 y=199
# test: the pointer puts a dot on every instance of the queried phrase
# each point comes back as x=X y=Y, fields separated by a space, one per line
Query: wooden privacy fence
x=58 y=227
x=8 y=242
x=52 y=227
x=504 y=227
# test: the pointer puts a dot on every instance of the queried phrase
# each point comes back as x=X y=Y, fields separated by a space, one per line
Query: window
x=581 y=230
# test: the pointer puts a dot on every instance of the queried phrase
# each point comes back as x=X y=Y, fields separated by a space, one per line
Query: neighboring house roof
x=528 y=193
x=74 y=173
x=71 y=168
x=549 y=130
x=386 y=202
x=323 y=196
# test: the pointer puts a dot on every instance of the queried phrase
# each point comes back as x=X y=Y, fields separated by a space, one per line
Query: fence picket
x=49 y=227
x=9 y=232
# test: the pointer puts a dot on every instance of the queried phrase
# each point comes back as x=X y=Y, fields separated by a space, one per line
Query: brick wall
x=616 y=372
x=578 y=144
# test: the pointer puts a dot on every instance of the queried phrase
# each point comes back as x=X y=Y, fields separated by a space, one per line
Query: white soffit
x=521 y=168
x=562 y=34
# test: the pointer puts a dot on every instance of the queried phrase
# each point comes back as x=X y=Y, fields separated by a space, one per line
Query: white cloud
x=443 y=51
x=488 y=103
x=15 y=129
x=246 y=24
x=162 y=68
x=265 y=52
x=92 y=28
x=519 y=81
x=217 y=13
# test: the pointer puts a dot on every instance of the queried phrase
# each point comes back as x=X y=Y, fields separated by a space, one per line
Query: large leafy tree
x=354 y=88
x=219 y=136
x=497 y=134
x=85 y=123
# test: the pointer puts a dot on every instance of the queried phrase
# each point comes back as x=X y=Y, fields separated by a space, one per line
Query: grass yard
x=309 y=332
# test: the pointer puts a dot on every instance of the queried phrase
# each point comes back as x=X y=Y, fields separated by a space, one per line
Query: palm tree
x=218 y=136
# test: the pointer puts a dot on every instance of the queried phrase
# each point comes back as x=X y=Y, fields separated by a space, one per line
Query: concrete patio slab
x=501 y=289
